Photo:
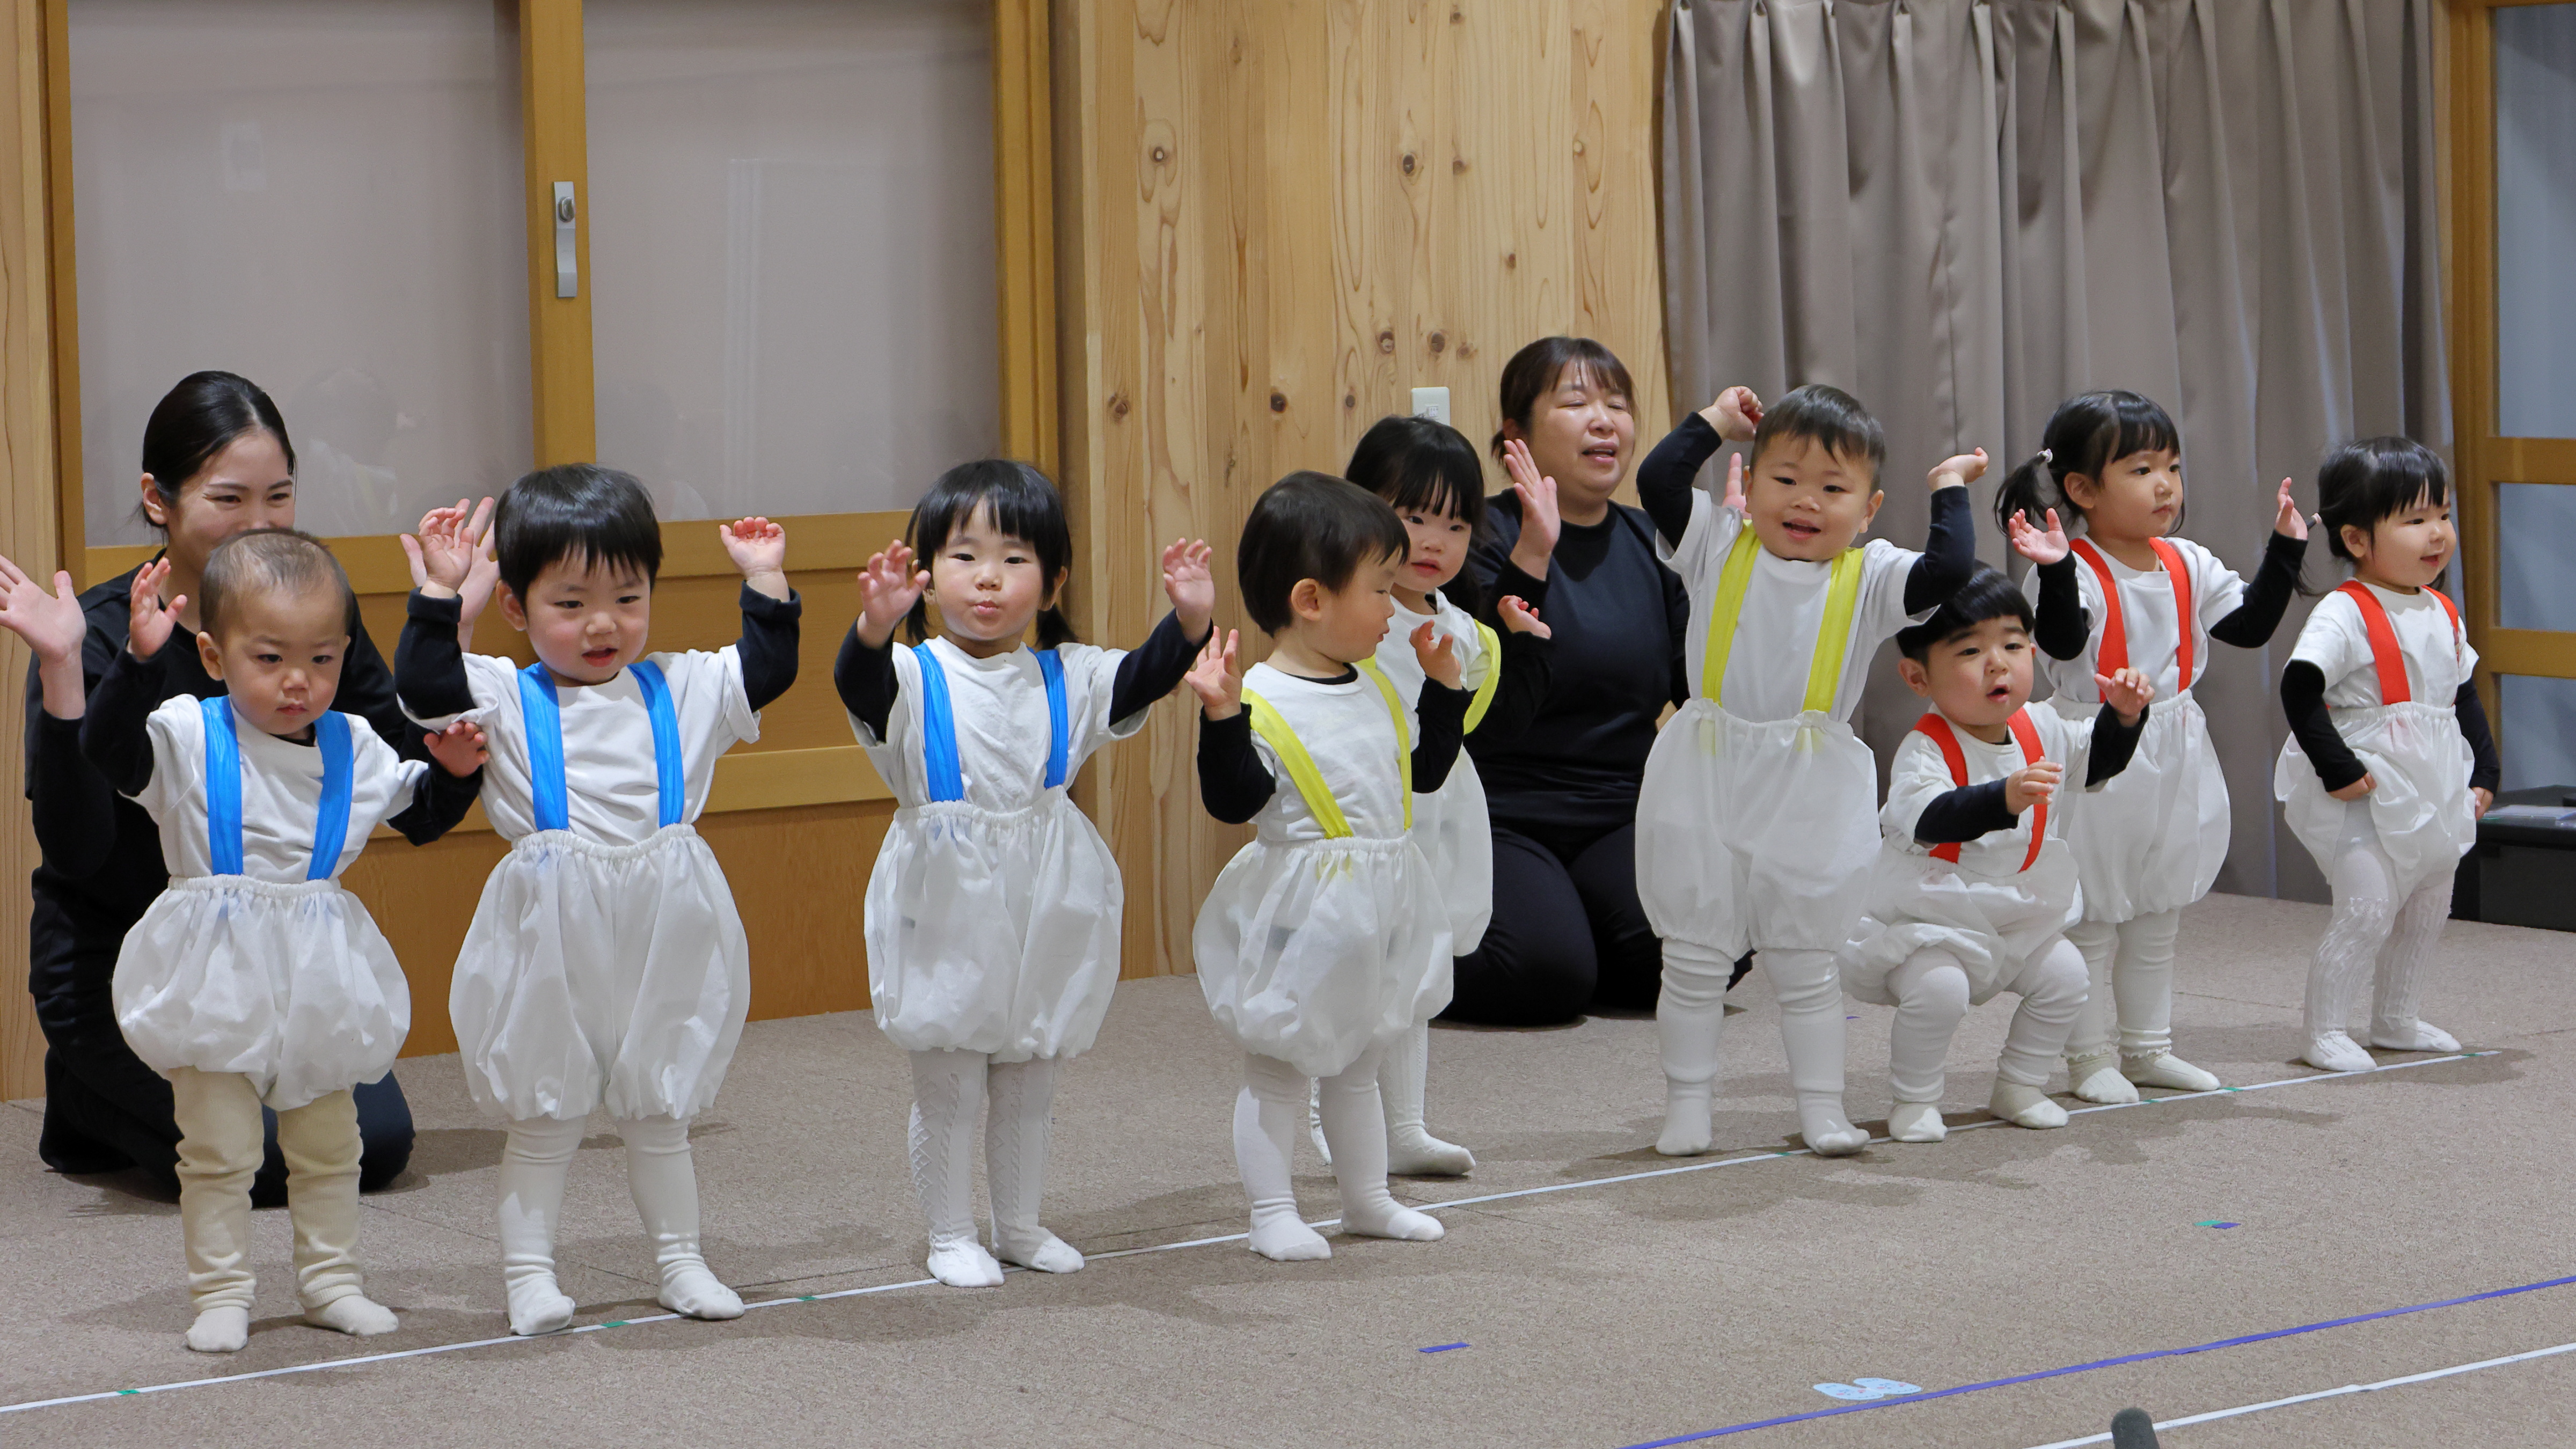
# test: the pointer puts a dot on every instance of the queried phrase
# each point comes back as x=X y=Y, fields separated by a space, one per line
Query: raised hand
x=1432 y=650
x=51 y=623
x=1214 y=679
x=1960 y=471
x=443 y=553
x=1190 y=584
x=2127 y=692
x=1735 y=414
x=477 y=589
x=2040 y=546
x=1520 y=618
x=2290 y=522
x=758 y=548
x=2031 y=784
x=2356 y=789
x=459 y=748
x=151 y=623
x=888 y=588
x=1539 y=520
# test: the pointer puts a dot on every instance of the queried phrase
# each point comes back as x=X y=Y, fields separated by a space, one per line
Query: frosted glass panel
x=2539 y=744
x=325 y=198
x=2535 y=101
x=791 y=249
x=2535 y=537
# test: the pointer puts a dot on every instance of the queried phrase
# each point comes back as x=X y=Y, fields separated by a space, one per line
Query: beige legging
x=221 y=1141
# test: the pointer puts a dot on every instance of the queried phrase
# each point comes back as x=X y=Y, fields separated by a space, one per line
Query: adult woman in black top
x=1568 y=932
x=216 y=462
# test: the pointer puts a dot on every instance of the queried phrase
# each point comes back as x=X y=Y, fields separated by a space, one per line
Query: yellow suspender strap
x=1403 y=734
x=1833 y=635
x=1299 y=765
x=1484 y=699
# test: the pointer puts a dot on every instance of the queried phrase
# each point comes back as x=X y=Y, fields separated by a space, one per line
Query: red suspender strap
x=1937 y=728
x=2384 y=653
x=2113 y=656
x=2180 y=573
x=2454 y=611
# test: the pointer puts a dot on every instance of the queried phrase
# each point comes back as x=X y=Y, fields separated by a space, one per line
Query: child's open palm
x=756 y=546
x=446 y=549
x=51 y=623
x=151 y=623
x=1214 y=679
x=2039 y=545
x=1520 y=618
x=2031 y=784
x=460 y=748
x=1190 y=583
x=888 y=588
x=2127 y=692
x=2290 y=523
x=1438 y=659
x=1540 y=523
x=1959 y=471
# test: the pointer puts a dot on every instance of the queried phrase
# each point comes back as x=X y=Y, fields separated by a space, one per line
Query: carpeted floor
x=1610 y=1313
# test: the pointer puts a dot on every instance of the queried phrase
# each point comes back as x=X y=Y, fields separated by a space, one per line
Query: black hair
x=2370 y=479
x=198 y=419
x=1986 y=595
x=267 y=559
x=2087 y=434
x=1830 y=418
x=576 y=513
x=1535 y=370
x=1025 y=506
x=1311 y=526
x=1426 y=465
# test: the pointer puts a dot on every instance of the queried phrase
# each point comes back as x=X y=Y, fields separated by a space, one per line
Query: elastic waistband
x=599 y=850
x=250 y=885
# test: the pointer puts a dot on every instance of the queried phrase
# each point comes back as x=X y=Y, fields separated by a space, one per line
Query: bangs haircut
x=1025 y=506
x=1830 y=418
x=2371 y=479
x=579 y=514
x=2087 y=434
x=1544 y=366
x=1311 y=526
x=1986 y=595
x=1421 y=465
x=267 y=561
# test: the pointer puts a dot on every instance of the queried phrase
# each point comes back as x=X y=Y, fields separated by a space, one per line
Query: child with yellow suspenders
x=1757 y=819
x=1325 y=938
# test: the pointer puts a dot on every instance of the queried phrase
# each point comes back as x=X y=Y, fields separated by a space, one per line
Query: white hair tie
x=2046 y=456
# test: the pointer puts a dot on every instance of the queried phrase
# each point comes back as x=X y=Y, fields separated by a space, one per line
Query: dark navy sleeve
x=1521 y=692
x=2250 y=624
x=1949 y=552
x=2114 y=745
x=114 y=733
x=1443 y=713
x=767 y=647
x=1665 y=478
x=429 y=663
x=1233 y=783
x=1961 y=815
x=438 y=805
x=2303 y=698
x=2486 y=769
x=2064 y=623
x=1154 y=668
x=865 y=680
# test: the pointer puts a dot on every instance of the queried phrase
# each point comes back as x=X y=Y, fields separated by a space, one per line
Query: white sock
x=664 y=1180
x=2097 y=1078
x=1411 y=1150
x=2025 y=1106
x=224 y=1328
x=2402 y=961
x=1916 y=1122
x=947 y=1101
x=1810 y=987
x=1265 y=1123
x=1355 y=1122
x=1690 y=1015
x=2335 y=1051
x=355 y=1315
x=1019 y=1096
x=1931 y=991
x=534 y=1163
x=2169 y=1072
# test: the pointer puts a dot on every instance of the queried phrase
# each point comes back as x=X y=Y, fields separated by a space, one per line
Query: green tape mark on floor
x=129 y=1391
x=615 y=1323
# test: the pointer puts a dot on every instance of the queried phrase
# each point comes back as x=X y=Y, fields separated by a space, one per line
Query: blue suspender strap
x=667 y=761
x=331 y=821
x=545 y=747
x=1060 y=745
x=223 y=787
x=938 y=730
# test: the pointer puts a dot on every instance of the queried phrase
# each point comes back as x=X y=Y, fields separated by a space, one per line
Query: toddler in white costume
x=256 y=979
x=1756 y=820
x=2389 y=763
x=1975 y=882
x=605 y=965
x=2151 y=841
x=1325 y=938
x=993 y=910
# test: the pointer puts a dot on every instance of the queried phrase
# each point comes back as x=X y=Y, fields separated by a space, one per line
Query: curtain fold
x=1963 y=211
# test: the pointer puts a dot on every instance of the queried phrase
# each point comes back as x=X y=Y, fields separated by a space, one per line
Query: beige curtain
x=1963 y=212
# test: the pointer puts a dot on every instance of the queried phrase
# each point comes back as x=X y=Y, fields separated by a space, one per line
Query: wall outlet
x=1432 y=403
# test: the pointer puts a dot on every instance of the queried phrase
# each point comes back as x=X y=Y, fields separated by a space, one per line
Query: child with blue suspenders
x=993 y=912
x=606 y=965
x=255 y=979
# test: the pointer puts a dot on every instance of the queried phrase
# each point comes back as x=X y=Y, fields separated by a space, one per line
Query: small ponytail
x=2030 y=491
x=1054 y=628
x=2087 y=434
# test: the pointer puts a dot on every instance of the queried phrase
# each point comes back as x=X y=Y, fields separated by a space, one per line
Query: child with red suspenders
x=1975 y=878
x=2128 y=592
x=2389 y=763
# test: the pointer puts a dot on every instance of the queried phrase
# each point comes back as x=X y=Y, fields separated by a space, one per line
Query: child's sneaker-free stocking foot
x=2025 y=1106
x=1916 y=1122
x=963 y=1263
x=2097 y=1078
x=1686 y=1127
x=689 y=1287
x=220 y=1330
x=1402 y=1082
x=356 y=1315
x=1015 y=1154
x=1827 y=1131
x=2335 y=1051
x=536 y=1304
x=2169 y=1072
x=2412 y=1036
x=1045 y=1252
x=1355 y=1119
x=1414 y=1152
x=1283 y=1237
x=1392 y=1219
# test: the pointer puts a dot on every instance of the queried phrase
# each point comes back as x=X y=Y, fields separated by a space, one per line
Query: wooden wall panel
x=1276 y=218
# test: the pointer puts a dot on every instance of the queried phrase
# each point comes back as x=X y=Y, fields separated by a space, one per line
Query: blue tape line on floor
x=1440 y=1348
x=2058 y=1373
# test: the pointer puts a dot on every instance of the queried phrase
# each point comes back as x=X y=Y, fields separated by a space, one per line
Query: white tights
x=1691 y=1011
x=2379 y=920
x=664 y=1181
x=950 y=1090
x=1931 y=991
x=2130 y=965
x=1266 y=1114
